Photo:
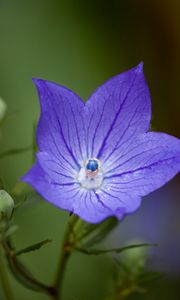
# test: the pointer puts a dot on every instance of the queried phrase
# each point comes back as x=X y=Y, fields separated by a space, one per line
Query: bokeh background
x=80 y=44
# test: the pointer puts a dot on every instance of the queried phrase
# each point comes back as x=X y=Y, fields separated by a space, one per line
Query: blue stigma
x=92 y=165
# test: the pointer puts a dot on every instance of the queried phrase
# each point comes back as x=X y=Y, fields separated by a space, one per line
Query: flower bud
x=3 y=109
x=6 y=205
x=135 y=257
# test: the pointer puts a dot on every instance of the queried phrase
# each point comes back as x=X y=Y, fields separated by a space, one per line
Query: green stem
x=64 y=257
x=60 y=274
x=4 y=281
x=21 y=273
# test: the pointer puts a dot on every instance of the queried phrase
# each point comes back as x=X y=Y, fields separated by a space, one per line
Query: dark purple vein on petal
x=52 y=136
x=64 y=140
x=57 y=148
x=86 y=132
x=96 y=129
x=115 y=119
x=68 y=139
x=85 y=200
x=100 y=201
x=77 y=131
x=112 y=196
x=59 y=164
x=139 y=169
x=122 y=135
x=58 y=173
x=127 y=153
x=63 y=184
x=135 y=156
x=87 y=138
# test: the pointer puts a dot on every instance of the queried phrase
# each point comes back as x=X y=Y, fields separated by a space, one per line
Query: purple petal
x=61 y=129
x=150 y=161
x=120 y=201
x=90 y=207
x=57 y=172
x=118 y=111
x=51 y=191
x=67 y=195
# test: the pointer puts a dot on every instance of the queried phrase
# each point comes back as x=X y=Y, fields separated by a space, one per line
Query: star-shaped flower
x=97 y=159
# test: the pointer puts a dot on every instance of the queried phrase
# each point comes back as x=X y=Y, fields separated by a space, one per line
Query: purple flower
x=98 y=159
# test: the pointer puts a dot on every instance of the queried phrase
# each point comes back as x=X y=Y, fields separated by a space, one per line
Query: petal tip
x=39 y=83
x=37 y=80
x=139 y=67
x=24 y=179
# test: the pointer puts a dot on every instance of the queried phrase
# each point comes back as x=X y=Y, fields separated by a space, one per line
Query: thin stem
x=64 y=257
x=59 y=279
x=5 y=281
x=21 y=274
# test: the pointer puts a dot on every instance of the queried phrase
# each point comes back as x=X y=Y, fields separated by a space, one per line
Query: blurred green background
x=80 y=44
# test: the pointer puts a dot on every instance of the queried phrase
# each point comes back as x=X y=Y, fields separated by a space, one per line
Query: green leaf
x=91 y=234
x=115 y=250
x=14 y=151
x=149 y=276
x=21 y=273
x=31 y=248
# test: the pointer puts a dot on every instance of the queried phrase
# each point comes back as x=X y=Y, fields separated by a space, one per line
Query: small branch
x=22 y=274
x=5 y=282
x=31 y=248
x=66 y=250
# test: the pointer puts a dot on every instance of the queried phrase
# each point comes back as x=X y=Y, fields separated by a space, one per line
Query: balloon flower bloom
x=98 y=159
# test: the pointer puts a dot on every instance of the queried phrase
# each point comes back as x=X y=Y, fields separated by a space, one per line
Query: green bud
x=3 y=109
x=135 y=259
x=6 y=205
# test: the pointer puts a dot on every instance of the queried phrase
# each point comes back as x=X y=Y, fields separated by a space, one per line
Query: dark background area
x=80 y=44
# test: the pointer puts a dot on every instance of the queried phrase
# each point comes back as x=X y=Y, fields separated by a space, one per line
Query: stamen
x=92 y=166
x=90 y=175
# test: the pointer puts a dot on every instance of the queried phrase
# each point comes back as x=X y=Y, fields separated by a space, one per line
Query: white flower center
x=90 y=175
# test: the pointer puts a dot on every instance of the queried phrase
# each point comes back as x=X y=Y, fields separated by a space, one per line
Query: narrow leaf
x=31 y=248
x=21 y=273
x=116 y=250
